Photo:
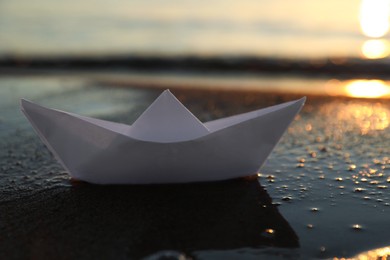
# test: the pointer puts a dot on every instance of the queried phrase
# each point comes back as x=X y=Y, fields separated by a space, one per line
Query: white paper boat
x=166 y=144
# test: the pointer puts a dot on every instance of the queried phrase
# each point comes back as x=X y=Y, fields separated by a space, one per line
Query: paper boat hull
x=235 y=151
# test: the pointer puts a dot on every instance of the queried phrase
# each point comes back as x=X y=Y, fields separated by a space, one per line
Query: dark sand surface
x=329 y=172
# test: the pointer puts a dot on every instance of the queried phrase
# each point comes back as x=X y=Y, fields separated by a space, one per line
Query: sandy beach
x=322 y=193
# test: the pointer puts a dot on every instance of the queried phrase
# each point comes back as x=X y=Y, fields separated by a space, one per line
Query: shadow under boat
x=92 y=221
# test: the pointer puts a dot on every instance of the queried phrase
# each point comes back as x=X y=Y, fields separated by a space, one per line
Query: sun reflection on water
x=367 y=88
x=358 y=88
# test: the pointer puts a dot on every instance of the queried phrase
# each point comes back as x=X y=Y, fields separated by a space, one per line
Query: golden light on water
x=375 y=49
x=380 y=253
x=367 y=117
x=367 y=89
x=374 y=17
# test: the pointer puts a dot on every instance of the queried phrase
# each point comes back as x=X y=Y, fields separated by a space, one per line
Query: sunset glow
x=374 y=17
x=375 y=49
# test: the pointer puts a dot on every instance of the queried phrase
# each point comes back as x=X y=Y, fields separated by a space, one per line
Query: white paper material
x=167 y=120
x=166 y=144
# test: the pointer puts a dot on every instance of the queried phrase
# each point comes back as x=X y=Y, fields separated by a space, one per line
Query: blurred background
x=330 y=174
x=332 y=47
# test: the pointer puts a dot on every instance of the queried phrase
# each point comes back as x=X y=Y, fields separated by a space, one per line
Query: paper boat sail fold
x=167 y=120
x=166 y=144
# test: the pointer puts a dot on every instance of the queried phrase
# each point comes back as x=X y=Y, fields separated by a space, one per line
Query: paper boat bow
x=166 y=144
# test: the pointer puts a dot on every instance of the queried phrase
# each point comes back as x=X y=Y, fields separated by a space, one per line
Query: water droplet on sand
x=372 y=171
x=269 y=233
x=356 y=227
x=300 y=165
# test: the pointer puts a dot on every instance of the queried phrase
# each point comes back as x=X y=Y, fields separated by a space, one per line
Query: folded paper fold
x=167 y=120
x=166 y=144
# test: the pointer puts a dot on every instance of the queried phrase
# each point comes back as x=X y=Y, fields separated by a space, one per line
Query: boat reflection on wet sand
x=139 y=221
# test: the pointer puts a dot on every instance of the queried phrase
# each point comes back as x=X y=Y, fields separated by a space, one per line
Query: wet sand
x=119 y=222
x=323 y=191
